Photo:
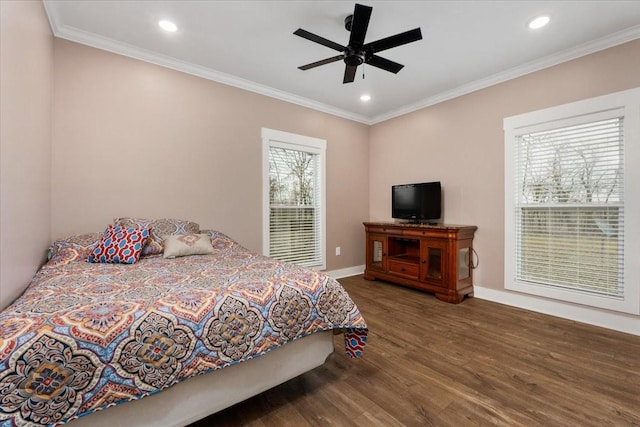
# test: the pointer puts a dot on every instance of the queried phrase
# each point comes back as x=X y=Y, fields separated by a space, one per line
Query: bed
x=163 y=341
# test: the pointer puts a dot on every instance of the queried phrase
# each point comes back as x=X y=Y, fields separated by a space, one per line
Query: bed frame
x=198 y=397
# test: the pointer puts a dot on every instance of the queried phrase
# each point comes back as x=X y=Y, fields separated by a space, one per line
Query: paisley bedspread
x=87 y=336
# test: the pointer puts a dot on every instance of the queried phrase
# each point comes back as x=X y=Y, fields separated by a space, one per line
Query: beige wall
x=131 y=138
x=460 y=143
x=26 y=67
x=135 y=139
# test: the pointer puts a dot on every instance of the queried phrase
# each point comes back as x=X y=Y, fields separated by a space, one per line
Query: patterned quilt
x=87 y=336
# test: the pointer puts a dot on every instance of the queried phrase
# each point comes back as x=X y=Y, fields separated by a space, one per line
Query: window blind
x=294 y=206
x=569 y=209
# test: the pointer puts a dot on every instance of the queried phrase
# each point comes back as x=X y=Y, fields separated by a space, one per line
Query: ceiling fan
x=358 y=52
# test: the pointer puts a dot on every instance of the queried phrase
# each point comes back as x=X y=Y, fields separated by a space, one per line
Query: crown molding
x=593 y=46
x=90 y=39
x=86 y=38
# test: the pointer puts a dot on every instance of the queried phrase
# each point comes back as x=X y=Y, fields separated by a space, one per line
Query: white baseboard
x=622 y=322
x=346 y=272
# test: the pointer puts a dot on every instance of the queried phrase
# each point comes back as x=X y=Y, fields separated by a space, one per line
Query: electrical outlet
x=337 y=250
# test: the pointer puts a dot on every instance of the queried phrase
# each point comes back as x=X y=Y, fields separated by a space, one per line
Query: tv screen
x=416 y=202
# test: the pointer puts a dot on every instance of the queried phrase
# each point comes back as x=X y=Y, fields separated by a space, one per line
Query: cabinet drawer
x=404 y=268
x=414 y=232
x=384 y=230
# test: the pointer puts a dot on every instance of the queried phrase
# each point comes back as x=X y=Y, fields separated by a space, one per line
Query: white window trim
x=276 y=138
x=629 y=101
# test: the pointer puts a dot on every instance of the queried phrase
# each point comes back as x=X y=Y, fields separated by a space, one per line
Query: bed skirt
x=203 y=395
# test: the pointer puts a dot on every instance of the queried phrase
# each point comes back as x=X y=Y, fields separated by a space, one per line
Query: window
x=571 y=180
x=294 y=198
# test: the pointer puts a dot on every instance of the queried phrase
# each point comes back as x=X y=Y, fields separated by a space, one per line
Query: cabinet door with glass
x=433 y=262
x=463 y=269
x=377 y=252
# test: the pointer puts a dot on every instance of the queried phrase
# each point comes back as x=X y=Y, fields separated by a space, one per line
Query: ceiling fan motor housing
x=354 y=56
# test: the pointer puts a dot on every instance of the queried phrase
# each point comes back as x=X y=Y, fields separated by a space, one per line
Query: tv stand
x=434 y=258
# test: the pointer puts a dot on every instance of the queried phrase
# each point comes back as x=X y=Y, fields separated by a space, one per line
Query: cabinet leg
x=454 y=298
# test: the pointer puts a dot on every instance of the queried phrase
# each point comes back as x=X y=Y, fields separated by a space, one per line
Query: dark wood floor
x=429 y=363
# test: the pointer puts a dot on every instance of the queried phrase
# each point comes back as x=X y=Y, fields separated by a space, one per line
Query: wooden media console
x=434 y=258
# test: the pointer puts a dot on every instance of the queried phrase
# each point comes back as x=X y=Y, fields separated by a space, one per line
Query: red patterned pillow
x=120 y=245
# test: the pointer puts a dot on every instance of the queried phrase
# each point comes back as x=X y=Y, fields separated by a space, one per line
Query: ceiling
x=466 y=45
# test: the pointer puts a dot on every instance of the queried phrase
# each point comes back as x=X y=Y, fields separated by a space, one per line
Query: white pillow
x=177 y=245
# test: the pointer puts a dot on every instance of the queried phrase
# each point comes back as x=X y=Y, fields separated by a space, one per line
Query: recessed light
x=365 y=98
x=538 y=22
x=168 y=26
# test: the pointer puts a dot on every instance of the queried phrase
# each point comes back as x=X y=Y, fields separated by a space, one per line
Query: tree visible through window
x=570 y=217
x=571 y=183
x=295 y=198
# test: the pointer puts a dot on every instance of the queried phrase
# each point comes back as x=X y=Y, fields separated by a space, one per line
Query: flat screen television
x=416 y=202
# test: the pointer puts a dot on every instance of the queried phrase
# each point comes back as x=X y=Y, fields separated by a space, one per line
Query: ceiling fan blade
x=323 y=62
x=349 y=73
x=359 y=25
x=394 y=41
x=321 y=40
x=385 y=64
